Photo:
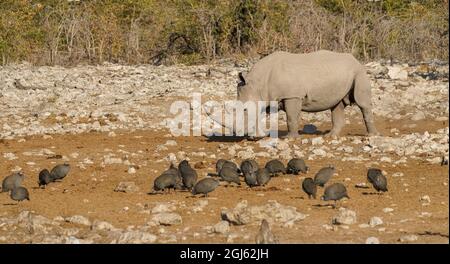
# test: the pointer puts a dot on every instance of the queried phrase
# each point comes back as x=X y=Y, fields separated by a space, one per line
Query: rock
x=171 y=143
x=419 y=115
x=246 y=154
x=282 y=145
x=397 y=174
x=131 y=170
x=372 y=240
x=163 y=208
x=388 y=210
x=375 y=221
x=127 y=187
x=317 y=141
x=376 y=69
x=222 y=227
x=232 y=237
x=102 y=226
x=161 y=148
x=167 y=219
x=136 y=237
x=199 y=205
x=425 y=199
x=78 y=219
x=408 y=238
x=243 y=214
x=319 y=152
x=397 y=73
x=344 y=217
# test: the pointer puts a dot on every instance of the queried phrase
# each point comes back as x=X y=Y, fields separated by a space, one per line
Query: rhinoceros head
x=245 y=91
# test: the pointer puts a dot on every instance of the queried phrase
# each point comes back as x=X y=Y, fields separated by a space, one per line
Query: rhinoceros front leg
x=337 y=119
x=293 y=107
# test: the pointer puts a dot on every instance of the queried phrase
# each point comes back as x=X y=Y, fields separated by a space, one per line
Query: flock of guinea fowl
x=186 y=178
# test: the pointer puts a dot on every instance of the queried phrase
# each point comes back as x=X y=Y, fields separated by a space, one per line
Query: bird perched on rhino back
x=229 y=175
x=45 y=178
x=275 y=167
x=12 y=181
x=296 y=165
x=60 y=171
x=205 y=186
x=324 y=175
x=188 y=174
x=309 y=187
x=377 y=179
x=19 y=194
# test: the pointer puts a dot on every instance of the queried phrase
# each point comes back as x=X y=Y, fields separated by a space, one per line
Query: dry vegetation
x=196 y=31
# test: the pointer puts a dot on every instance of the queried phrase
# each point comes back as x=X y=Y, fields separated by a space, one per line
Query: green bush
x=198 y=31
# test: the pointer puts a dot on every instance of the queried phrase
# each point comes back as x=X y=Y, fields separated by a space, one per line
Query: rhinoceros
x=310 y=82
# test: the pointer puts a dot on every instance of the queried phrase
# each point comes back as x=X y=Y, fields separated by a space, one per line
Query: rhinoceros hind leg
x=363 y=97
x=337 y=119
x=293 y=107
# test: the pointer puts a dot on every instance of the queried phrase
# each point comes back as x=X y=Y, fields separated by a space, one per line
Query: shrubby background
x=69 y=32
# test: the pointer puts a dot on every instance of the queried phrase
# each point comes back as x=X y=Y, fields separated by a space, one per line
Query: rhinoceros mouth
x=253 y=118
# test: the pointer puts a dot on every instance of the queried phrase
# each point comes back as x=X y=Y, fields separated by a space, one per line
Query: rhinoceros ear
x=242 y=77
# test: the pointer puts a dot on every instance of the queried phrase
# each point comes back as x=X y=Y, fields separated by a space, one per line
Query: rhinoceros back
x=321 y=78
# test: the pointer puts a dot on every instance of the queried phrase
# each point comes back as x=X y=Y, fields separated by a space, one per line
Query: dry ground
x=89 y=192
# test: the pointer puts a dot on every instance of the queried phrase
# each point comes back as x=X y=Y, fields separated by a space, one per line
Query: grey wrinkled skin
x=265 y=235
x=188 y=174
x=249 y=165
x=275 y=167
x=45 y=178
x=20 y=194
x=262 y=176
x=310 y=82
x=296 y=165
x=377 y=179
x=335 y=192
x=309 y=187
x=12 y=181
x=324 y=175
x=60 y=171
x=205 y=186
x=229 y=175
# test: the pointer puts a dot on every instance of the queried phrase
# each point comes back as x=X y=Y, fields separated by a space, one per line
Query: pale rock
x=78 y=219
x=167 y=219
x=127 y=187
x=372 y=240
x=375 y=221
x=344 y=217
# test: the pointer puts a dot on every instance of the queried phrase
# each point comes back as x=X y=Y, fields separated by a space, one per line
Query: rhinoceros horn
x=215 y=120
